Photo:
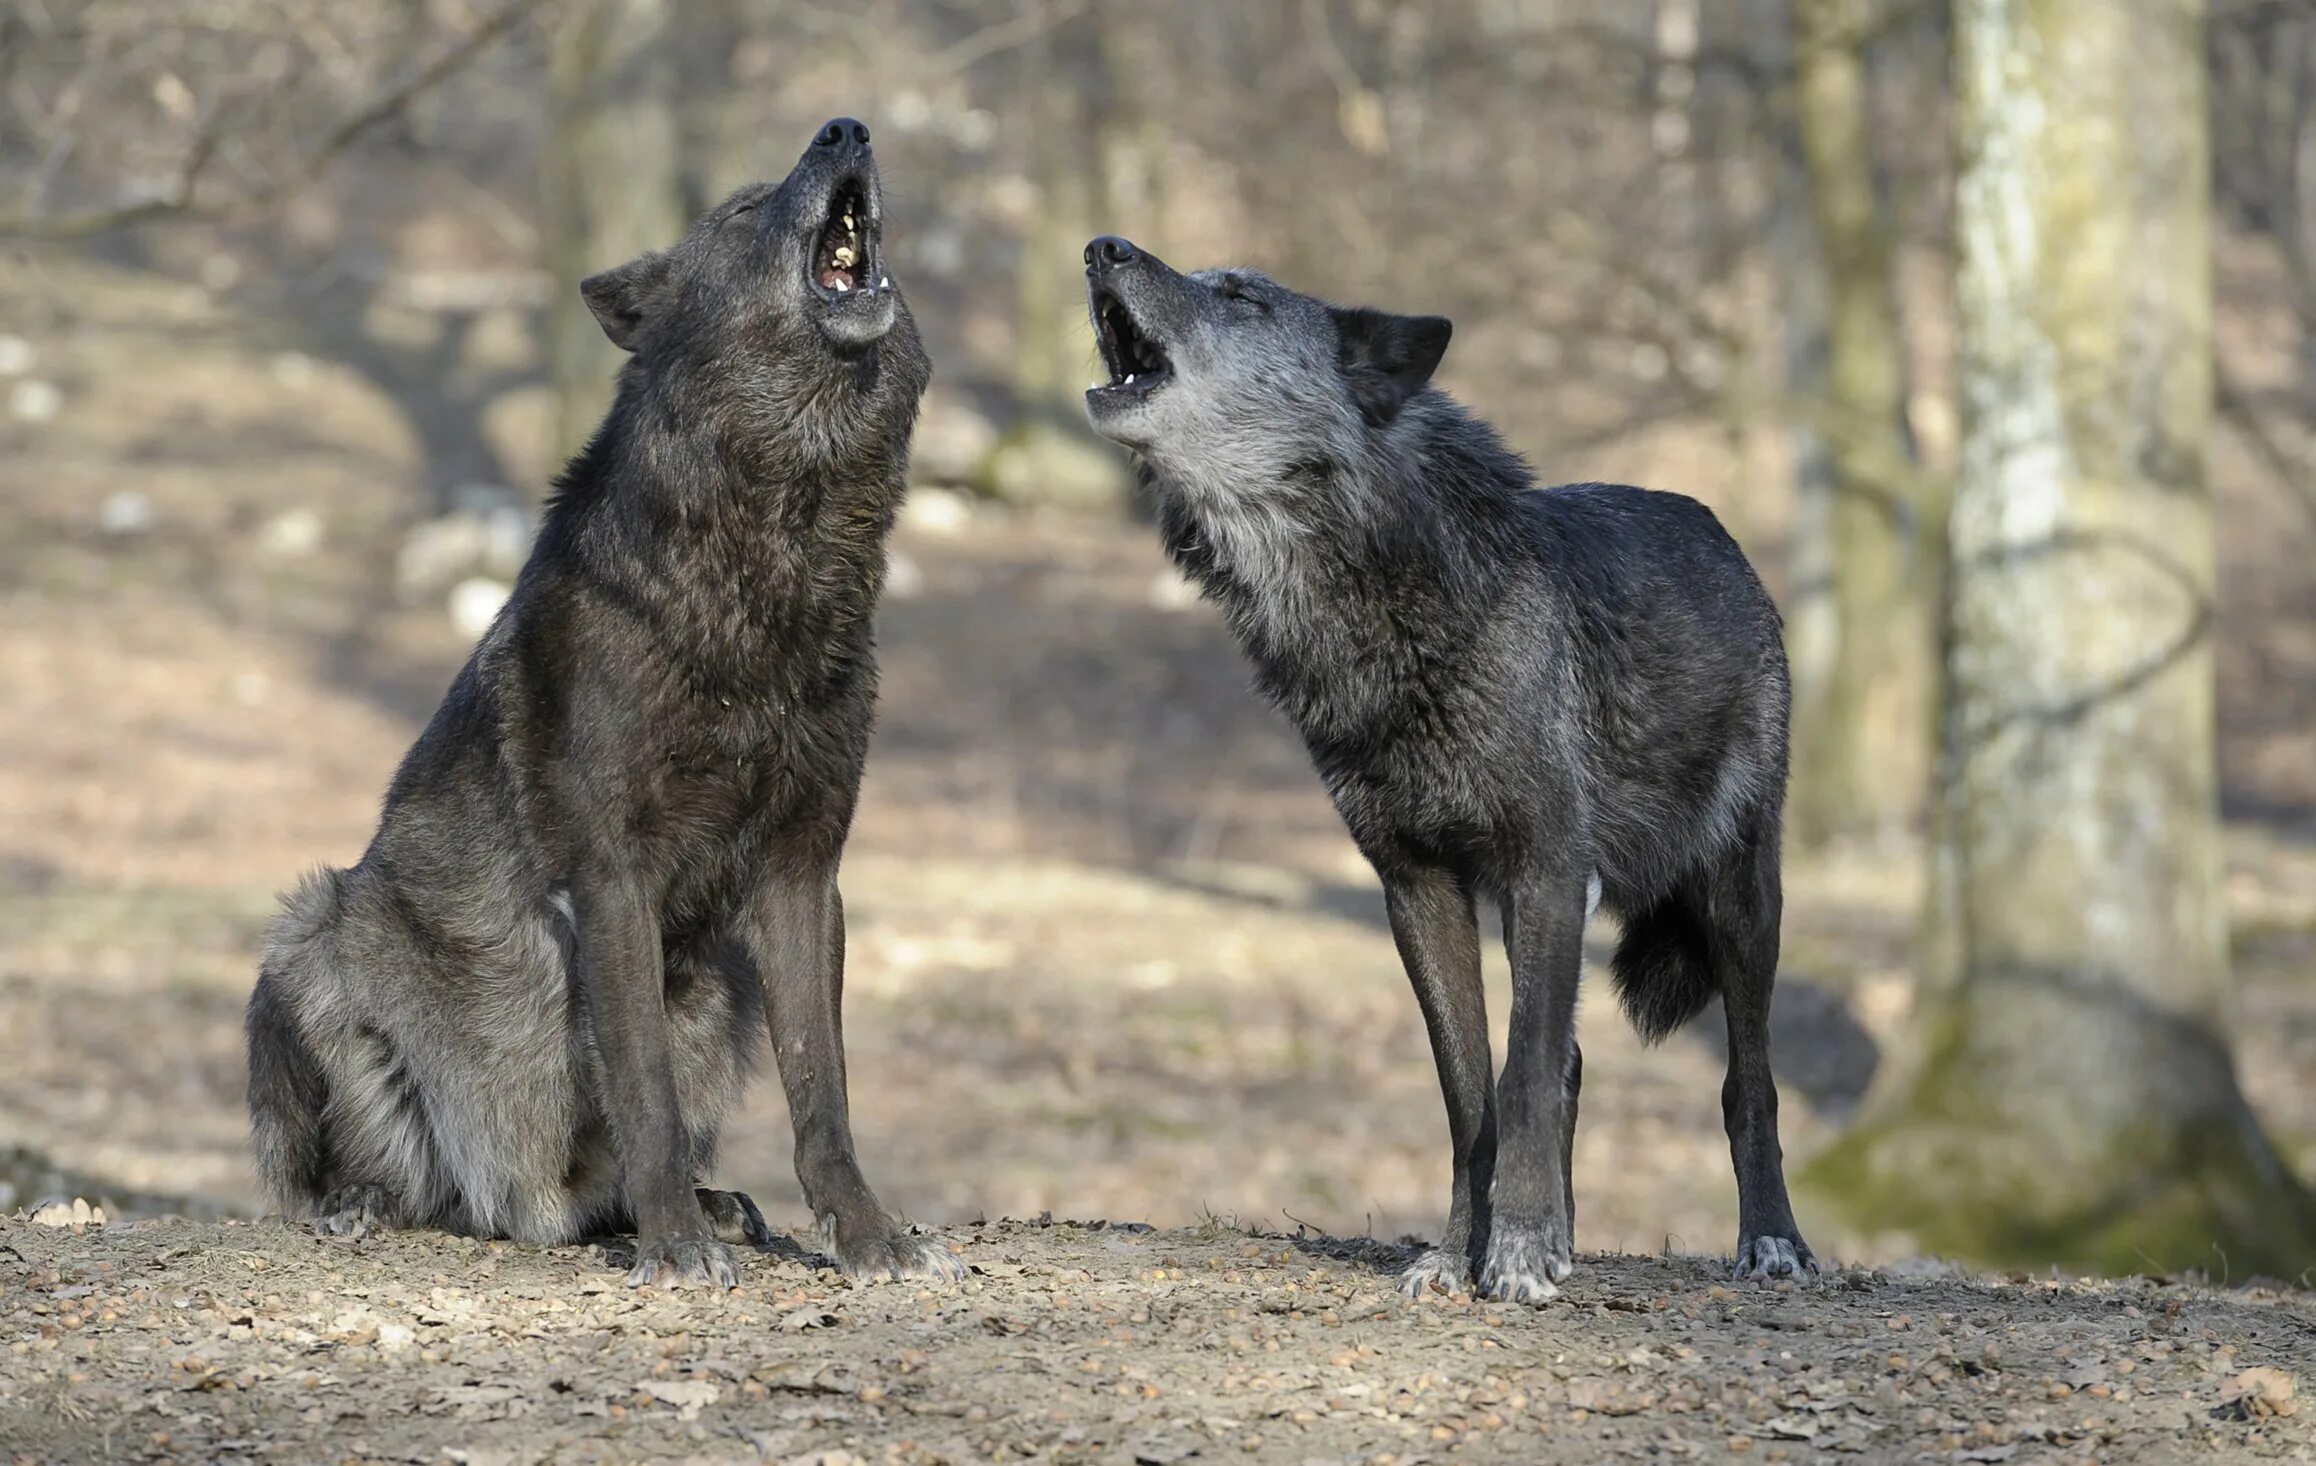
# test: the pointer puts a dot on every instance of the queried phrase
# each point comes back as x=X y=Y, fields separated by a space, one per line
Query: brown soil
x=176 y=1340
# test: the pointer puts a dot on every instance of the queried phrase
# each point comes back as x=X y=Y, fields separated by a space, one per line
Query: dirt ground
x=1111 y=956
x=176 y=1340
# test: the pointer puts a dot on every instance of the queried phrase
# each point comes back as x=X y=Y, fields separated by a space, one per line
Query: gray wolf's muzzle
x=1128 y=294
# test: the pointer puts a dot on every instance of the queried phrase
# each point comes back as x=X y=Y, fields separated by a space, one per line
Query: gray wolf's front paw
x=354 y=1211
x=734 y=1218
x=1774 y=1257
x=1443 y=1269
x=892 y=1258
x=677 y=1260
x=1523 y=1263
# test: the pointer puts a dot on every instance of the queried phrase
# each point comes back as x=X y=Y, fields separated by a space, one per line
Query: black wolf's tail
x=1663 y=970
x=287 y=1089
x=286 y=1096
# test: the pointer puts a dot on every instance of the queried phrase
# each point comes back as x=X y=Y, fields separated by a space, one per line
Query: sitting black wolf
x=1557 y=699
x=612 y=855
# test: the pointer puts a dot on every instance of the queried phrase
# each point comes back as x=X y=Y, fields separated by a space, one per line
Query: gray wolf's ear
x=624 y=298
x=1388 y=358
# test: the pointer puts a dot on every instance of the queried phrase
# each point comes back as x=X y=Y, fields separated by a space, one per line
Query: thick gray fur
x=1545 y=698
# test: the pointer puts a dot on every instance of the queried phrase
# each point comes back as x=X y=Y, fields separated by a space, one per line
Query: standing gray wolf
x=609 y=863
x=1555 y=699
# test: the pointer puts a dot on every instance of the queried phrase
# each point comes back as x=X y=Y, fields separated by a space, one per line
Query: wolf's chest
x=754 y=714
x=724 y=776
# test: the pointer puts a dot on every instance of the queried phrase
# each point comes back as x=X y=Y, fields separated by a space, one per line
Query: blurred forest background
x=290 y=350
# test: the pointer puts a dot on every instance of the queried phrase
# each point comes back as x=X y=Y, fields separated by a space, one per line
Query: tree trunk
x=1673 y=35
x=1049 y=456
x=612 y=179
x=1056 y=343
x=1797 y=265
x=1134 y=120
x=2076 y=1102
x=1862 y=710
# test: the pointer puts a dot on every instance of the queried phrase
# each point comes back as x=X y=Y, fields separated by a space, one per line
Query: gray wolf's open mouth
x=845 y=257
x=1137 y=365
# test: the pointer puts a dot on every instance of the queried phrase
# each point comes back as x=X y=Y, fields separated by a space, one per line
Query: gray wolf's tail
x=1663 y=967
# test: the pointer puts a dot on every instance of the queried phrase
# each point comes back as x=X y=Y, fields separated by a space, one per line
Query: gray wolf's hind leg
x=734 y=1218
x=1742 y=937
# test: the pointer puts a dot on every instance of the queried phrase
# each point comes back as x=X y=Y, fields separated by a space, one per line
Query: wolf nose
x=840 y=131
x=1108 y=252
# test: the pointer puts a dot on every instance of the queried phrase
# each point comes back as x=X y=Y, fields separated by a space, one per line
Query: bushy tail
x=287 y=1088
x=1664 y=974
x=286 y=1095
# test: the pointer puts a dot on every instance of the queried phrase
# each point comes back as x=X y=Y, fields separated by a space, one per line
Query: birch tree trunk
x=1863 y=714
x=2076 y=1101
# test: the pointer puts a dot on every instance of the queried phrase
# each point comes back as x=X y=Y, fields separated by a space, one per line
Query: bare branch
x=1674 y=408
x=182 y=201
x=2287 y=468
x=1770 y=81
x=1033 y=21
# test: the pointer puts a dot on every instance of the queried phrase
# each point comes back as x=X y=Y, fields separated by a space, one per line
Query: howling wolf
x=609 y=863
x=1558 y=700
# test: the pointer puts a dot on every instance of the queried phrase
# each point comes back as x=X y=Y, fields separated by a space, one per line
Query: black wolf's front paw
x=1774 y=1257
x=354 y=1211
x=734 y=1218
x=892 y=1258
x=674 y=1261
x=1443 y=1269
x=1523 y=1263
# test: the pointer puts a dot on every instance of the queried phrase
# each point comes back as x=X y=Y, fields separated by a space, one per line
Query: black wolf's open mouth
x=844 y=258
x=1136 y=362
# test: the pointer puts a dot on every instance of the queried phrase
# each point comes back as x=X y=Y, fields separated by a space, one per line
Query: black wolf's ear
x=624 y=297
x=1389 y=358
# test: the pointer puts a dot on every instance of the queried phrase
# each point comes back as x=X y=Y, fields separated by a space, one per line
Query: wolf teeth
x=843 y=255
x=1129 y=379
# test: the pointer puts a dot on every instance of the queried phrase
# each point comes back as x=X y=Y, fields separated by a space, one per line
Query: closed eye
x=741 y=212
x=1232 y=290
